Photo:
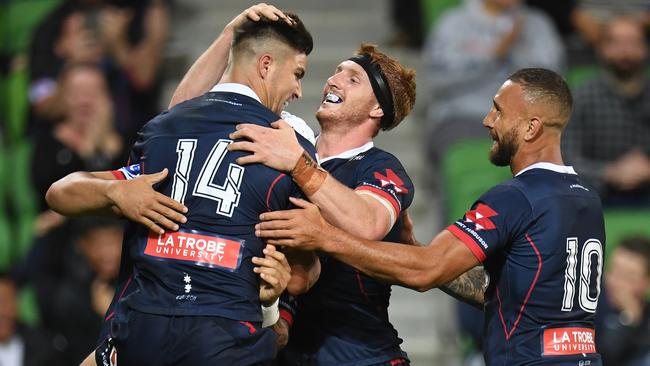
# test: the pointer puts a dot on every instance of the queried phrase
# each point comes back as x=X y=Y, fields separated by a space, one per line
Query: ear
x=376 y=112
x=533 y=129
x=264 y=65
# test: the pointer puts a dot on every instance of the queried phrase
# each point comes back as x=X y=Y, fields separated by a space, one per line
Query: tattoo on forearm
x=468 y=287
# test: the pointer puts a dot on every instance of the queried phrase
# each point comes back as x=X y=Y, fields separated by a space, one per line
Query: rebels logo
x=480 y=217
x=391 y=179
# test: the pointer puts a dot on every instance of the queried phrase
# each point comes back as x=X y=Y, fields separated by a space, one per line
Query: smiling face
x=347 y=96
x=505 y=121
x=285 y=79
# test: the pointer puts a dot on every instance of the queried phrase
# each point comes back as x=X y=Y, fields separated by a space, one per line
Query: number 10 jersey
x=541 y=239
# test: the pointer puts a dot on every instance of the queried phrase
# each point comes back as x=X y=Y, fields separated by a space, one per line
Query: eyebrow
x=496 y=105
x=301 y=72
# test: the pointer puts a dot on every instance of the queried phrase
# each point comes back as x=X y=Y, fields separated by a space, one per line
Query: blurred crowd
x=89 y=76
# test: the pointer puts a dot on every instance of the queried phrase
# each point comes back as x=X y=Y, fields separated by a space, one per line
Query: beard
x=626 y=69
x=501 y=154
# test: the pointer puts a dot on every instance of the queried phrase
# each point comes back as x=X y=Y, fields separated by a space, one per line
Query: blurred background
x=79 y=78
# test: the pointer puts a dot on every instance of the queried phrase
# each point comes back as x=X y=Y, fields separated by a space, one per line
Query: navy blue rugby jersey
x=205 y=268
x=343 y=319
x=541 y=239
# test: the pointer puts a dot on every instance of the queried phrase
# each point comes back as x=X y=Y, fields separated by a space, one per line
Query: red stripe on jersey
x=251 y=327
x=118 y=175
x=286 y=315
x=382 y=194
x=268 y=194
x=128 y=282
x=530 y=291
x=469 y=241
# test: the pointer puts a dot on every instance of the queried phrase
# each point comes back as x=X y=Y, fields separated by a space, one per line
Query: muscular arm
x=206 y=70
x=469 y=287
x=83 y=193
x=359 y=214
x=420 y=268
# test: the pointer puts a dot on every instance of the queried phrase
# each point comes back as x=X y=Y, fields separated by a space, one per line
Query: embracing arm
x=86 y=193
x=208 y=69
x=420 y=268
x=469 y=287
x=83 y=193
x=360 y=214
x=366 y=215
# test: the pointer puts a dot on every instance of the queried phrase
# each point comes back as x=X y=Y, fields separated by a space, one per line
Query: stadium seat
x=620 y=223
x=578 y=75
x=468 y=174
x=20 y=17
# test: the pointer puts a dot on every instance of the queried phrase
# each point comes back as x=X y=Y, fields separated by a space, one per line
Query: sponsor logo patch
x=391 y=179
x=203 y=249
x=568 y=341
x=480 y=217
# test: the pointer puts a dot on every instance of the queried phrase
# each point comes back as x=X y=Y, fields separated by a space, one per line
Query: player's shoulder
x=376 y=155
x=511 y=193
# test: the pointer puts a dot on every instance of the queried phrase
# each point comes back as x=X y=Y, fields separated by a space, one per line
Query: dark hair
x=639 y=245
x=295 y=36
x=546 y=86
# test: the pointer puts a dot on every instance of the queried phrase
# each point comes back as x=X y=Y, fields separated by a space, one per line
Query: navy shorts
x=137 y=338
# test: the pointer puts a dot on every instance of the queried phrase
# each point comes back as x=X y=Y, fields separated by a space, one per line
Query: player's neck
x=536 y=153
x=333 y=142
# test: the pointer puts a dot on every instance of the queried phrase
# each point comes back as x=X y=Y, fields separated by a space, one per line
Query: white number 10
x=226 y=195
x=586 y=301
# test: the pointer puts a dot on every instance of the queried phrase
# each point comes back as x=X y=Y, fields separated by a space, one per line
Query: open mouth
x=332 y=98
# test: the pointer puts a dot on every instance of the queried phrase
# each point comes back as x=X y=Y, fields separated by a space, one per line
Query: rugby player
x=343 y=319
x=191 y=296
x=540 y=237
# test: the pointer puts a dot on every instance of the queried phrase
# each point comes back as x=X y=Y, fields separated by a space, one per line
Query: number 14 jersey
x=541 y=239
x=205 y=268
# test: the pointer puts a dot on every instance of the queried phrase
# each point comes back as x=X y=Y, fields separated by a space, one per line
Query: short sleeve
x=493 y=222
x=134 y=166
x=385 y=179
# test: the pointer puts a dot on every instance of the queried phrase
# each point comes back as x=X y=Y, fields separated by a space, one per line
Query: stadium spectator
x=624 y=311
x=466 y=67
x=84 y=290
x=608 y=139
x=20 y=345
x=591 y=16
x=84 y=139
x=125 y=38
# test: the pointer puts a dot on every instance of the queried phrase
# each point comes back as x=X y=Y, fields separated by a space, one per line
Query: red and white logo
x=480 y=217
x=391 y=179
x=201 y=249
x=569 y=341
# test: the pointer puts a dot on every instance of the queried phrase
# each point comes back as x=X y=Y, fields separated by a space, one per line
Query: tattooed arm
x=468 y=287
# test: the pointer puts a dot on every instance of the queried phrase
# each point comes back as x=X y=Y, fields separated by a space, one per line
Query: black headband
x=379 y=87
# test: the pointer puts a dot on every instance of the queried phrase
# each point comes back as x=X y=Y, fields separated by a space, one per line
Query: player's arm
x=366 y=215
x=84 y=193
x=208 y=69
x=420 y=268
x=469 y=287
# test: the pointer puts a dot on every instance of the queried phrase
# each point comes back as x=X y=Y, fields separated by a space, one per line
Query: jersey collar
x=236 y=88
x=549 y=166
x=349 y=153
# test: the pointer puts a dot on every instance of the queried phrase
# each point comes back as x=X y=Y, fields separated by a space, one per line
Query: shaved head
x=547 y=94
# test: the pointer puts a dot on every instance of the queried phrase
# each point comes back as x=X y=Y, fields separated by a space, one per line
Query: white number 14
x=226 y=195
